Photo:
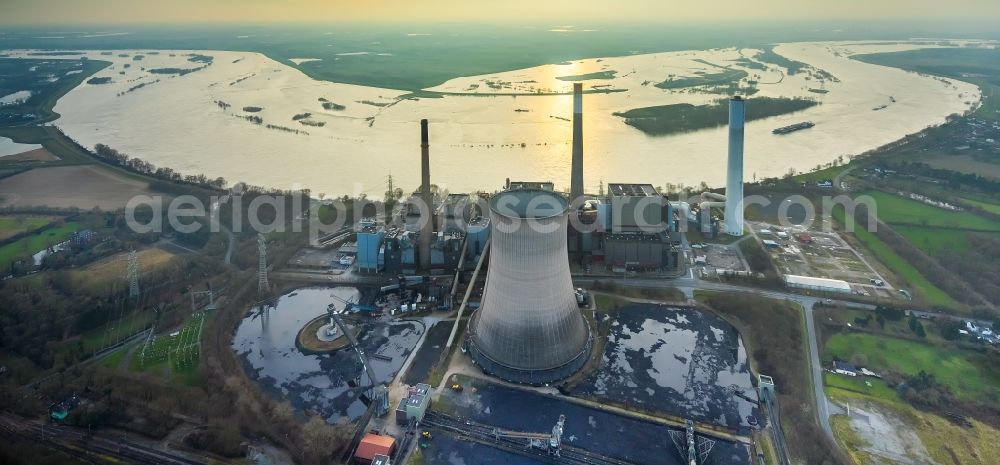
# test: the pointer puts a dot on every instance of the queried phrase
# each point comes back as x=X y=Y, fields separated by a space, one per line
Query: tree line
x=116 y=158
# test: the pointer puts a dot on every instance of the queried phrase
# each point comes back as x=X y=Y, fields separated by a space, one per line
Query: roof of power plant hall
x=528 y=328
x=810 y=282
x=543 y=185
x=528 y=204
x=632 y=190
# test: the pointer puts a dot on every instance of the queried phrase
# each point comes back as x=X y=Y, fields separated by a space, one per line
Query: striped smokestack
x=576 y=181
x=426 y=217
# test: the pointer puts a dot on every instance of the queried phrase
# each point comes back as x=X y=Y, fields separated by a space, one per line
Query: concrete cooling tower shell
x=529 y=328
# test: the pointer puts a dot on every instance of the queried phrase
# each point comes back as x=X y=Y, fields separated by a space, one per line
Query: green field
x=920 y=285
x=937 y=240
x=821 y=174
x=894 y=209
x=967 y=373
x=98 y=338
x=11 y=225
x=36 y=243
x=871 y=387
x=986 y=206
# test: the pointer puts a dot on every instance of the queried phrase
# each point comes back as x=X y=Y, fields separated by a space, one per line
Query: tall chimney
x=734 y=178
x=427 y=216
x=576 y=181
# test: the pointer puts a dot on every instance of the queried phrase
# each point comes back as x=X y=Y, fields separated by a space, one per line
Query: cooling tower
x=734 y=178
x=576 y=179
x=529 y=328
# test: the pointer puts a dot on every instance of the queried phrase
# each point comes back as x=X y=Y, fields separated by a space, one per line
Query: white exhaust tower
x=734 y=178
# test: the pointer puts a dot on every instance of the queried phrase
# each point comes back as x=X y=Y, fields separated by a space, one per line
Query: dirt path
x=887 y=435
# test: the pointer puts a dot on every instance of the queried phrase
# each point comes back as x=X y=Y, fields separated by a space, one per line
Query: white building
x=818 y=284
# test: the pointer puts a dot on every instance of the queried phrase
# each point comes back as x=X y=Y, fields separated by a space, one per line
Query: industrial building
x=636 y=208
x=370 y=236
x=372 y=446
x=818 y=284
x=476 y=235
x=543 y=185
x=627 y=230
x=529 y=328
x=454 y=212
x=414 y=405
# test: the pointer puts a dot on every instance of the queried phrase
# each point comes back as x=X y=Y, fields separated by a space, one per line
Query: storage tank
x=529 y=328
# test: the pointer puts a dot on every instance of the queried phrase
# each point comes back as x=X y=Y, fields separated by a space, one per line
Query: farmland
x=893 y=209
x=80 y=186
x=35 y=243
x=970 y=375
x=902 y=268
x=110 y=272
x=13 y=225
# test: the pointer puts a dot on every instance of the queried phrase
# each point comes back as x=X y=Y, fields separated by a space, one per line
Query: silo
x=734 y=178
x=529 y=328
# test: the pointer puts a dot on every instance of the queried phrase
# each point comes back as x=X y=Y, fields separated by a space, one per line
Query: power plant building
x=529 y=328
x=636 y=208
x=454 y=213
x=369 y=245
x=476 y=234
x=632 y=226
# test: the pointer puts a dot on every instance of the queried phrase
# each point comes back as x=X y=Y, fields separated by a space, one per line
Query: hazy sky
x=556 y=11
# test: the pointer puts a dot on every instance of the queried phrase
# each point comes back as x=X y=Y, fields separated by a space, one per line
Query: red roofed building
x=372 y=445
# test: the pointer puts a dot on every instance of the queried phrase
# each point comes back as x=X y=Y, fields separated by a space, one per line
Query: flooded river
x=249 y=118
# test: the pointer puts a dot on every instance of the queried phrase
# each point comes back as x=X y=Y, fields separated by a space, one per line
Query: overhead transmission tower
x=132 y=274
x=390 y=193
x=263 y=287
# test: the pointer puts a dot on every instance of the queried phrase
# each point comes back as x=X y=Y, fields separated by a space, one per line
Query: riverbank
x=478 y=142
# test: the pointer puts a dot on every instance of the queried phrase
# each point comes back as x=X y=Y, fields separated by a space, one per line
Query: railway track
x=96 y=449
x=518 y=442
x=777 y=434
